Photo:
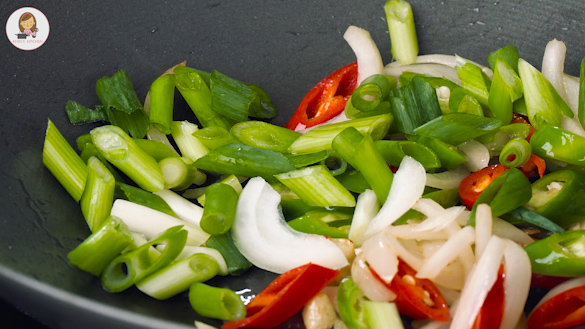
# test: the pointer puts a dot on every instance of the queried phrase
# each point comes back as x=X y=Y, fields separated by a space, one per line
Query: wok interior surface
x=284 y=46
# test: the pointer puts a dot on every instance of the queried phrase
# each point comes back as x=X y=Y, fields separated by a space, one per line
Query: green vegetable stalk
x=98 y=196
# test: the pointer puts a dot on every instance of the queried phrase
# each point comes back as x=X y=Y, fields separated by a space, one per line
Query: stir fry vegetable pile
x=433 y=190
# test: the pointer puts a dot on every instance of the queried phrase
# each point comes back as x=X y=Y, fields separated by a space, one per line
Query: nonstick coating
x=285 y=46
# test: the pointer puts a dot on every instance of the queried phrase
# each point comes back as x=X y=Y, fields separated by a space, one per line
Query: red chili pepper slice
x=284 y=297
x=564 y=310
x=471 y=186
x=492 y=311
x=416 y=298
x=519 y=118
x=534 y=163
x=326 y=100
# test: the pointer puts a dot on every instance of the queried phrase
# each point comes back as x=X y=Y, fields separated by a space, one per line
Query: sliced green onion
x=90 y=150
x=354 y=181
x=162 y=97
x=63 y=162
x=475 y=81
x=121 y=151
x=382 y=315
x=133 y=266
x=79 y=114
x=520 y=107
x=244 y=160
x=361 y=152
x=178 y=276
x=100 y=248
x=336 y=165
x=142 y=197
x=515 y=153
x=189 y=145
x=98 y=195
x=122 y=105
x=157 y=150
x=118 y=92
x=508 y=54
x=505 y=89
x=394 y=151
x=435 y=82
x=216 y=303
x=317 y=187
x=237 y=264
x=231 y=180
x=220 y=208
x=303 y=160
x=543 y=103
x=178 y=174
x=261 y=107
x=197 y=94
x=456 y=128
x=414 y=105
x=449 y=156
x=136 y=123
x=516 y=130
x=535 y=219
x=319 y=138
x=470 y=104
x=368 y=96
x=183 y=208
x=264 y=135
x=230 y=97
x=334 y=224
x=402 y=31
x=214 y=137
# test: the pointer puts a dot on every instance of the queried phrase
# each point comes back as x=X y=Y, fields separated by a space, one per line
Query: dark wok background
x=285 y=46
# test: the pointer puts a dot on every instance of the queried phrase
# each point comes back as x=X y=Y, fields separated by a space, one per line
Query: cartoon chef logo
x=27 y=28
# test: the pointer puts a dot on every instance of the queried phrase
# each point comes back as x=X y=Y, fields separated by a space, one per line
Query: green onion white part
x=189 y=145
x=183 y=208
x=368 y=56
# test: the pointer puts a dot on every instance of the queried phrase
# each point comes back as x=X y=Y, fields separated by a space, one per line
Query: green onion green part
x=79 y=114
x=98 y=195
x=63 y=162
x=216 y=303
x=133 y=266
x=179 y=276
x=143 y=198
x=178 y=173
x=101 y=247
x=264 y=135
x=237 y=264
x=189 y=145
x=317 y=187
x=121 y=151
x=382 y=315
x=220 y=208
x=456 y=128
x=157 y=150
x=402 y=31
x=214 y=137
x=162 y=98
x=515 y=153
x=475 y=81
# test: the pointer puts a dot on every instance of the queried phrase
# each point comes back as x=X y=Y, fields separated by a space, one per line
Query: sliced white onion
x=263 y=237
x=440 y=220
x=478 y=156
x=433 y=70
x=407 y=187
x=202 y=325
x=183 y=208
x=446 y=180
x=448 y=60
x=483 y=228
x=516 y=284
x=367 y=206
x=428 y=207
x=466 y=255
x=408 y=231
x=368 y=56
x=553 y=65
x=447 y=253
x=478 y=284
x=411 y=258
x=372 y=288
x=505 y=230
x=570 y=284
x=380 y=257
x=152 y=223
